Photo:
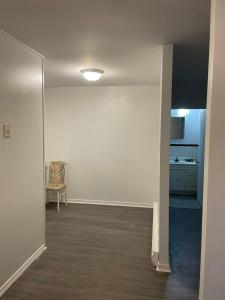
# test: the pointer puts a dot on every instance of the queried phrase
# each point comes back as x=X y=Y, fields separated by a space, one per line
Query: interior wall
x=184 y=151
x=164 y=149
x=191 y=136
x=192 y=128
x=110 y=138
x=189 y=94
x=21 y=157
x=213 y=242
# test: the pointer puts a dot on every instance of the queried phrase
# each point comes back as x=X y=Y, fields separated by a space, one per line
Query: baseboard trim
x=21 y=270
x=165 y=268
x=111 y=203
x=155 y=258
x=155 y=235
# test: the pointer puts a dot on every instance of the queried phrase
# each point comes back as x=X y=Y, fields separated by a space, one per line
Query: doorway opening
x=186 y=171
x=186 y=162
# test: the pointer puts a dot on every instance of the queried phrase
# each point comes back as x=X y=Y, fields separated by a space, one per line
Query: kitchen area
x=186 y=162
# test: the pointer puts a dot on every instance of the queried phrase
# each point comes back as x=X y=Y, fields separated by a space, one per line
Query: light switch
x=6 y=131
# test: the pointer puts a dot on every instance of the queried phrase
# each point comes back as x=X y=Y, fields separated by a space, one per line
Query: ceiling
x=123 y=37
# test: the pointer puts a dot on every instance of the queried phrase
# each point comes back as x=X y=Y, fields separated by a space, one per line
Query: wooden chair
x=56 y=181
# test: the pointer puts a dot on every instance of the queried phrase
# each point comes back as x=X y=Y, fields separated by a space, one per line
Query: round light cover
x=182 y=112
x=92 y=74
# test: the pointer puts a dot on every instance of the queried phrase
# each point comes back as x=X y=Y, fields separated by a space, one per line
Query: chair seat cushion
x=54 y=186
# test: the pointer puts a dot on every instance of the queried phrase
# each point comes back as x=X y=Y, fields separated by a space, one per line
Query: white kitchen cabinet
x=191 y=179
x=183 y=178
x=177 y=179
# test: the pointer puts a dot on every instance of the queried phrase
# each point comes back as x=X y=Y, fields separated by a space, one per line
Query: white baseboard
x=111 y=203
x=165 y=268
x=155 y=258
x=155 y=235
x=21 y=270
x=155 y=255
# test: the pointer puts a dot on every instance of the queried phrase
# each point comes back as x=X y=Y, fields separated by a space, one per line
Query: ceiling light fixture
x=92 y=74
x=183 y=112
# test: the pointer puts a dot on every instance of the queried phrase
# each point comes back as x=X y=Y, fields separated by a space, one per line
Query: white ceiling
x=123 y=37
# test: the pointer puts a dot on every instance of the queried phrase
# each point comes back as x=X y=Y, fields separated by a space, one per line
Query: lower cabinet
x=177 y=180
x=183 y=178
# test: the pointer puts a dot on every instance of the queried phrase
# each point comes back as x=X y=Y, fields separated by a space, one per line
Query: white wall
x=213 y=242
x=165 y=107
x=184 y=151
x=21 y=157
x=110 y=138
x=192 y=127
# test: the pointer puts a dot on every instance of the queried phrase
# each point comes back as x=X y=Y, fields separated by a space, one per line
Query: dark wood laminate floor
x=103 y=253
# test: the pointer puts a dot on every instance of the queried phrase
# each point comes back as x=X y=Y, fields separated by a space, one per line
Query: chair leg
x=65 y=196
x=58 y=201
x=46 y=196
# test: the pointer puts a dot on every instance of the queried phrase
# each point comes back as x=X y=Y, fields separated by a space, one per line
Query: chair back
x=56 y=172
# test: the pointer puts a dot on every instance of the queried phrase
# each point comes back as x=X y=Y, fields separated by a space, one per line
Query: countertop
x=183 y=162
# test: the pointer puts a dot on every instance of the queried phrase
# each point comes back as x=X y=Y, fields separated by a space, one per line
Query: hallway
x=103 y=252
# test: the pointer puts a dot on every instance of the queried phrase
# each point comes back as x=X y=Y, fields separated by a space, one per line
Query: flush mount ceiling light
x=183 y=112
x=92 y=74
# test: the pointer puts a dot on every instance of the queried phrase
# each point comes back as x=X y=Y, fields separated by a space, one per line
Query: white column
x=166 y=94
